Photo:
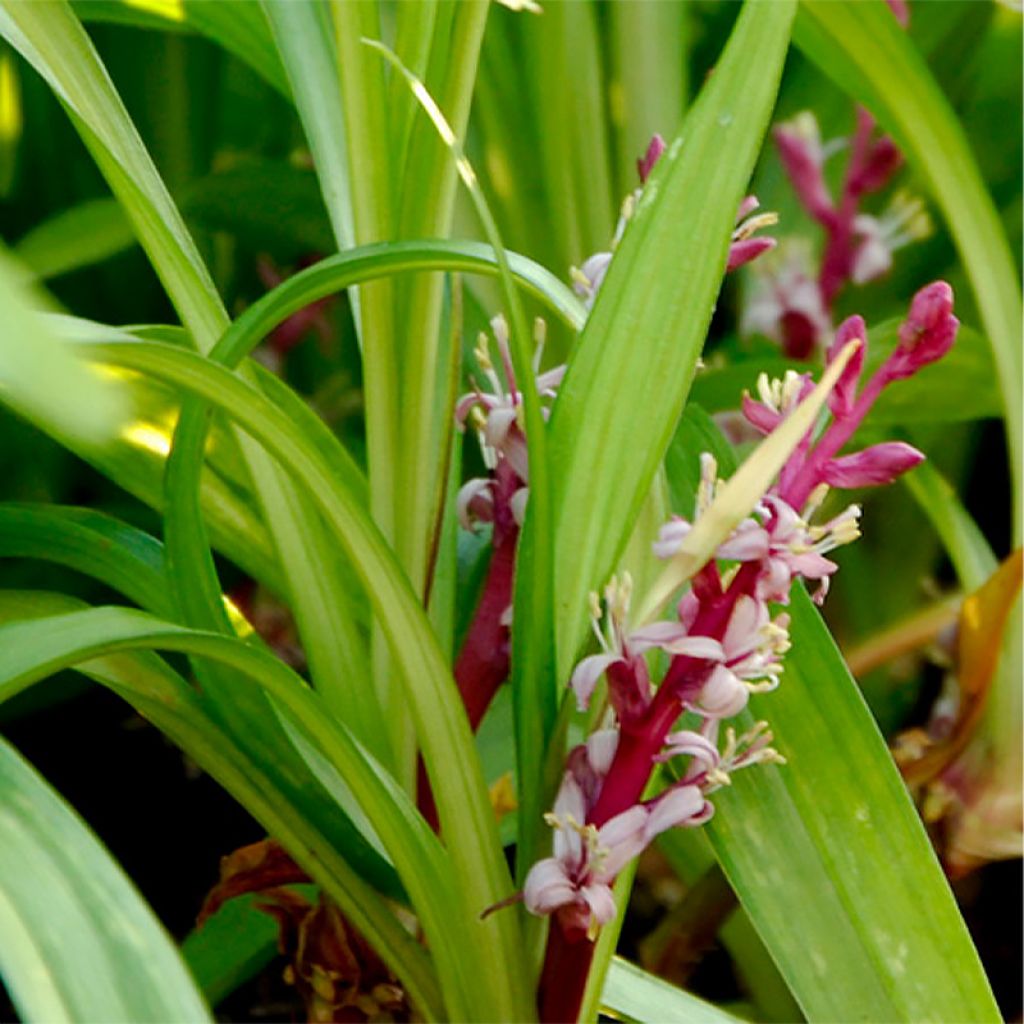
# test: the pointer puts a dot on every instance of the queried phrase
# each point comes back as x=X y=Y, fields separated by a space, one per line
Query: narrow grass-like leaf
x=366 y=262
x=167 y=701
x=466 y=817
x=233 y=944
x=51 y=39
x=302 y=34
x=834 y=833
x=425 y=211
x=90 y=542
x=862 y=47
x=968 y=550
x=81 y=236
x=414 y=847
x=631 y=371
x=238 y=27
x=40 y=377
x=77 y=942
x=632 y=994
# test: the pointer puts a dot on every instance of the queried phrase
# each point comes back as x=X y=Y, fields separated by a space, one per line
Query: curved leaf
x=159 y=694
x=632 y=368
x=123 y=557
x=77 y=942
x=632 y=994
x=467 y=820
x=834 y=833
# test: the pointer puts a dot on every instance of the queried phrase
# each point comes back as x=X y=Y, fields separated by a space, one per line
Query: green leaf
x=52 y=40
x=88 y=640
x=302 y=34
x=454 y=769
x=968 y=550
x=81 y=236
x=233 y=944
x=634 y=995
x=631 y=370
x=123 y=557
x=40 y=377
x=238 y=27
x=862 y=47
x=834 y=833
x=430 y=353
x=77 y=942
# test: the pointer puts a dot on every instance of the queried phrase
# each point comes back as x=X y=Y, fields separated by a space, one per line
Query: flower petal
x=676 y=807
x=548 y=887
x=586 y=675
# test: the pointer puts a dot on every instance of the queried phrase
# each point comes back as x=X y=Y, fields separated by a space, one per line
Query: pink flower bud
x=646 y=163
x=800 y=150
x=882 y=162
x=927 y=334
x=879 y=464
x=748 y=249
x=844 y=394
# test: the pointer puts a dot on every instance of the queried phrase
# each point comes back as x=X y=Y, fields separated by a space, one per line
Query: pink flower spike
x=842 y=399
x=743 y=252
x=799 y=144
x=646 y=163
x=872 y=467
x=927 y=334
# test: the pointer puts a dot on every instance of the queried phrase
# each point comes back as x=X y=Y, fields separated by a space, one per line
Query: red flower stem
x=483 y=662
x=798 y=490
x=568 y=957
x=837 y=261
x=564 y=979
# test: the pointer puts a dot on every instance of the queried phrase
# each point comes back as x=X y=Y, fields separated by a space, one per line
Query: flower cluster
x=497 y=414
x=726 y=639
x=743 y=248
x=792 y=301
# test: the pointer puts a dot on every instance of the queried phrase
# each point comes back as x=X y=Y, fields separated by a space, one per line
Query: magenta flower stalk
x=494 y=408
x=723 y=643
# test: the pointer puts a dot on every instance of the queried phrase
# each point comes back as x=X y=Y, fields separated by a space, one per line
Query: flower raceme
x=723 y=642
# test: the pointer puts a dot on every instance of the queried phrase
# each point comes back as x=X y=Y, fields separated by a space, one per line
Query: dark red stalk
x=483 y=662
x=568 y=956
x=837 y=260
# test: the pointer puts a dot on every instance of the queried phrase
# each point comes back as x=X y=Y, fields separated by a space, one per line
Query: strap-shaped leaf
x=631 y=371
x=77 y=942
x=466 y=816
x=834 y=833
x=311 y=835
x=632 y=994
